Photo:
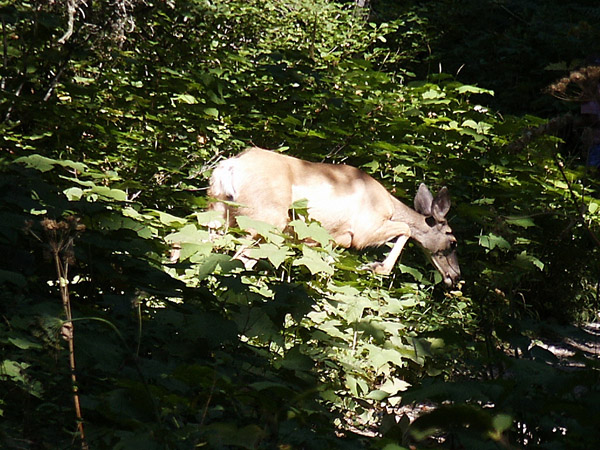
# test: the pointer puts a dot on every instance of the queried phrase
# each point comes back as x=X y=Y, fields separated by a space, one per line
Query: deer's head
x=437 y=238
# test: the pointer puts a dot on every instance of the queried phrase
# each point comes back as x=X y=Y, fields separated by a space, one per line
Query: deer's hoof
x=376 y=267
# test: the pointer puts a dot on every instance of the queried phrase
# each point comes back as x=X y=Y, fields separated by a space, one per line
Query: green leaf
x=38 y=162
x=206 y=217
x=412 y=271
x=73 y=193
x=311 y=231
x=473 y=90
x=14 y=278
x=44 y=164
x=314 y=261
x=168 y=219
x=186 y=98
x=392 y=386
x=524 y=260
x=13 y=369
x=502 y=422
x=266 y=230
x=24 y=344
x=377 y=395
x=189 y=234
x=524 y=222
x=106 y=192
x=491 y=241
x=380 y=356
x=196 y=253
x=213 y=112
x=215 y=261
x=274 y=253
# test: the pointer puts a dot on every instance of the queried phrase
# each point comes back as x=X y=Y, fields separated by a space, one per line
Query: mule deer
x=356 y=209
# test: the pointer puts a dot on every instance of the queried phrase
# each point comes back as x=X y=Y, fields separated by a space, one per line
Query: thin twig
x=4 y=54
x=54 y=81
x=12 y=106
x=208 y=400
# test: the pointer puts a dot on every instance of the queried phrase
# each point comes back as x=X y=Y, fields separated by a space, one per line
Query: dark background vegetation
x=112 y=116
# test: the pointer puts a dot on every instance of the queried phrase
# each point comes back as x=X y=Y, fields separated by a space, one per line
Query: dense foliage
x=112 y=116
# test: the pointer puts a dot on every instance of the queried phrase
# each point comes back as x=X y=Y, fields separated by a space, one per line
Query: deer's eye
x=431 y=221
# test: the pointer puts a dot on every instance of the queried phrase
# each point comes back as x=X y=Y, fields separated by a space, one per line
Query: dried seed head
x=582 y=85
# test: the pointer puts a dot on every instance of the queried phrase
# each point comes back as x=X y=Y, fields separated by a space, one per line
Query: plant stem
x=61 y=271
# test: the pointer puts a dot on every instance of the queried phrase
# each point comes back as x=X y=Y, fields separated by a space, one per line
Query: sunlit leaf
x=314 y=261
x=275 y=254
x=312 y=231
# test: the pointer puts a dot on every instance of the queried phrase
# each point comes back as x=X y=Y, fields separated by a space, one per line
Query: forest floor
x=580 y=341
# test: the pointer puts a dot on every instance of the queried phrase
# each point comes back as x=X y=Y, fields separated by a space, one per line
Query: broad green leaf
x=13 y=369
x=410 y=270
x=213 y=112
x=38 y=162
x=377 y=395
x=473 y=90
x=217 y=261
x=433 y=94
x=392 y=386
x=379 y=356
x=357 y=386
x=274 y=253
x=14 y=278
x=24 y=344
x=523 y=257
x=524 y=222
x=312 y=231
x=502 y=422
x=314 y=261
x=268 y=231
x=470 y=124
x=491 y=241
x=354 y=309
x=186 y=98
x=118 y=222
x=73 y=193
x=196 y=253
x=189 y=234
x=83 y=80
x=105 y=191
x=206 y=217
x=296 y=360
x=36 y=137
x=169 y=219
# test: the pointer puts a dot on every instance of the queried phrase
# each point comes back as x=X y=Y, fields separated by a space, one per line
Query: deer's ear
x=441 y=204
x=423 y=200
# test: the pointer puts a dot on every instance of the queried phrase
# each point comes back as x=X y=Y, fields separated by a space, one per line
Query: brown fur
x=355 y=208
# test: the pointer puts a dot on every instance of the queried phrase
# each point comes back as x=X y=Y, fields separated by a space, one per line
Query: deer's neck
x=415 y=221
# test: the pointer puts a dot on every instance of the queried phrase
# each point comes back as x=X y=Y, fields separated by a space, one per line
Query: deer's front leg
x=385 y=267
